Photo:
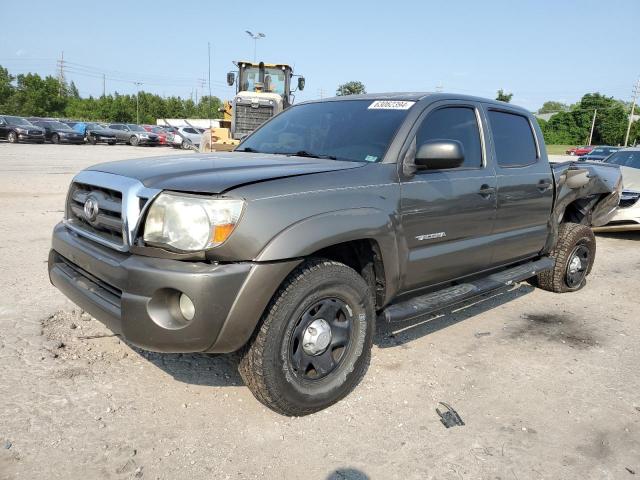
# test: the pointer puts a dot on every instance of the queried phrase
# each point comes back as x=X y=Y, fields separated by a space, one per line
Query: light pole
x=256 y=37
x=137 y=84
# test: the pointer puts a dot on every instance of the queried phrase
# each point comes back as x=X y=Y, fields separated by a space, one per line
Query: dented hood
x=217 y=172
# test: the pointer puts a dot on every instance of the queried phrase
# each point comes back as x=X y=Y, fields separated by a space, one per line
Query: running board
x=431 y=302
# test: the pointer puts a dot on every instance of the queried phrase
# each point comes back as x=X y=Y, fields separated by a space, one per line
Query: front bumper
x=148 y=141
x=625 y=219
x=31 y=137
x=72 y=139
x=135 y=295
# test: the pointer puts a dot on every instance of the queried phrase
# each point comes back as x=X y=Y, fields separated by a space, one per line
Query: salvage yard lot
x=547 y=384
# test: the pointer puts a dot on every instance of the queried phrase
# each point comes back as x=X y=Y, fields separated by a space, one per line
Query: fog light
x=187 y=308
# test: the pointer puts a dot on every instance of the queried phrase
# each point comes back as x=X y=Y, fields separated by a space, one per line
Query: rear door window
x=513 y=139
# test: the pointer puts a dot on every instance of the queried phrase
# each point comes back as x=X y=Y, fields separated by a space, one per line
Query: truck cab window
x=454 y=123
x=513 y=139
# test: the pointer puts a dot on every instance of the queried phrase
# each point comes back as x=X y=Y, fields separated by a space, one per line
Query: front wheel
x=574 y=254
x=55 y=138
x=314 y=343
x=12 y=137
x=133 y=141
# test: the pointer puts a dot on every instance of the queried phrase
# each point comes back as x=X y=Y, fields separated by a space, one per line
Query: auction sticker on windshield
x=391 y=105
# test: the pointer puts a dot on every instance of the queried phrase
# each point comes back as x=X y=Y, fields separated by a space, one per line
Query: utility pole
x=104 y=85
x=61 y=80
x=636 y=91
x=593 y=124
x=201 y=83
x=137 y=84
x=321 y=92
x=209 y=55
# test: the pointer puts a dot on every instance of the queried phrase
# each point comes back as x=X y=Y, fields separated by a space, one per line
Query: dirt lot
x=548 y=385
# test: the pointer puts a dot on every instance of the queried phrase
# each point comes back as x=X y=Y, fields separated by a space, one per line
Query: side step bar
x=431 y=302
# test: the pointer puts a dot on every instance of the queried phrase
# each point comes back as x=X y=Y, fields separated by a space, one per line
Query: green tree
x=7 y=90
x=553 y=106
x=503 y=96
x=351 y=88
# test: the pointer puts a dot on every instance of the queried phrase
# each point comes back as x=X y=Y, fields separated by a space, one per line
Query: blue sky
x=539 y=50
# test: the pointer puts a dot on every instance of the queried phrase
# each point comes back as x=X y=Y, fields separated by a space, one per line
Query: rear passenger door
x=447 y=215
x=525 y=186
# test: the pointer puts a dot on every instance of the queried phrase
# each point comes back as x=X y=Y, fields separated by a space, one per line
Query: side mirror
x=231 y=79
x=440 y=155
x=301 y=82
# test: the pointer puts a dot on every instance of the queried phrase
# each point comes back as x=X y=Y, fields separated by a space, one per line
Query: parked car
x=96 y=133
x=164 y=137
x=330 y=215
x=134 y=134
x=628 y=215
x=599 y=153
x=17 y=129
x=58 y=132
x=580 y=150
x=187 y=136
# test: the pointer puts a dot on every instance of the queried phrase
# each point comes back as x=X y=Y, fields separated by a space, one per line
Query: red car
x=581 y=150
x=163 y=135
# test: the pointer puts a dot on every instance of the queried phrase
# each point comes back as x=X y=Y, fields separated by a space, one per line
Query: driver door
x=447 y=215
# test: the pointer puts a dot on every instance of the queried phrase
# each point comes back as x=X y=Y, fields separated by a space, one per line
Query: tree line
x=32 y=95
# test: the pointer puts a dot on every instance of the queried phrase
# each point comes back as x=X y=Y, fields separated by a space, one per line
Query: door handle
x=486 y=191
x=544 y=184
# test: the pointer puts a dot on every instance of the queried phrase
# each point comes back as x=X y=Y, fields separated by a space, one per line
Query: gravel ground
x=547 y=384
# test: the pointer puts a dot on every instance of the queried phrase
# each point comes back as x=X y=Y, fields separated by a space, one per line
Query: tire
x=134 y=141
x=186 y=144
x=572 y=153
x=273 y=363
x=112 y=142
x=92 y=139
x=13 y=137
x=574 y=241
x=55 y=138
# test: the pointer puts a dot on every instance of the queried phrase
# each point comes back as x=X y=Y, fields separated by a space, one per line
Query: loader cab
x=262 y=91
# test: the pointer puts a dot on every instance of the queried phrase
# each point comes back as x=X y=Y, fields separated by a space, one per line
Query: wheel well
x=365 y=258
x=579 y=211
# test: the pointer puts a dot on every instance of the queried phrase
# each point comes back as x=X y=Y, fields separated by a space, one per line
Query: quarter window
x=454 y=123
x=513 y=139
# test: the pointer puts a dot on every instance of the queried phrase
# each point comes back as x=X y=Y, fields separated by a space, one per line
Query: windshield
x=136 y=128
x=94 y=126
x=58 y=125
x=604 y=151
x=18 y=121
x=625 y=159
x=274 y=79
x=342 y=130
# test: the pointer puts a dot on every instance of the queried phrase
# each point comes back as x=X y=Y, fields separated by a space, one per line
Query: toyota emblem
x=91 y=209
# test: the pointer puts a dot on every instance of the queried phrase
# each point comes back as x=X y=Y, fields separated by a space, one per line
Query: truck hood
x=217 y=172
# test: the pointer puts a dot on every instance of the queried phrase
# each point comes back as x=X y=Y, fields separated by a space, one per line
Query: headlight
x=144 y=135
x=21 y=130
x=190 y=223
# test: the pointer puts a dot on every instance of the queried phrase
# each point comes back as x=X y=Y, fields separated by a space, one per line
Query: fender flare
x=314 y=233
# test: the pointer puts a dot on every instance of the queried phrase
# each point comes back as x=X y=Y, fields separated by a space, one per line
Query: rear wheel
x=12 y=137
x=92 y=139
x=574 y=254
x=314 y=343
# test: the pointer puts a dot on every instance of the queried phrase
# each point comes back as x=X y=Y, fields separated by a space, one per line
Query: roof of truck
x=417 y=96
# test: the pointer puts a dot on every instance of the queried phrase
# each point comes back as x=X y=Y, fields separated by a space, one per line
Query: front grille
x=249 y=118
x=628 y=199
x=107 y=224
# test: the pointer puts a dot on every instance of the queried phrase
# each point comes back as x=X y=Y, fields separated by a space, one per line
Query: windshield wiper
x=304 y=153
